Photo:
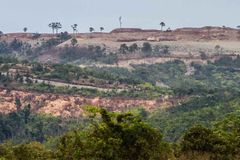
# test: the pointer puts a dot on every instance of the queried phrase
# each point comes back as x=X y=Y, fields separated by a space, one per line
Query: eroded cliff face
x=72 y=106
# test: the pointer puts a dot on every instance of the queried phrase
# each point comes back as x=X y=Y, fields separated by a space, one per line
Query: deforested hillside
x=166 y=94
x=119 y=80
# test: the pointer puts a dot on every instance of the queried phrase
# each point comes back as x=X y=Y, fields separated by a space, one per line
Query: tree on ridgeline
x=58 y=26
x=91 y=29
x=55 y=26
x=74 y=28
x=162 y=24
x=101 y=29
x=25 y=29
x=52 y=26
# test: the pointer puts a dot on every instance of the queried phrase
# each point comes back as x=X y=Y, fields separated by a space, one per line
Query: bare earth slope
x=71 y=106
x=183 y=41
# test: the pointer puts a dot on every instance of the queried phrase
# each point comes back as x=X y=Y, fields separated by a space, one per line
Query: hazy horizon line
x=110 y=30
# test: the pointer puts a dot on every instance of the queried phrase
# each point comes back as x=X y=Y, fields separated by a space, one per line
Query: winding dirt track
x=64 y=84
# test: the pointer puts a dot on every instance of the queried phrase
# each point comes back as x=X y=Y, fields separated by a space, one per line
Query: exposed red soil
x=72 y=106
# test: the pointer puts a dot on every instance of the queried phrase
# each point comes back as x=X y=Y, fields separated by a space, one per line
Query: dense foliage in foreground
x=126 y=136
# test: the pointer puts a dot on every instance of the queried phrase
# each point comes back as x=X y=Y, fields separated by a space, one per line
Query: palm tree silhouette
x=162 y=24
x=74 y=27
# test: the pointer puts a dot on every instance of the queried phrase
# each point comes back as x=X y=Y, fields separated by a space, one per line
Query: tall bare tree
x=120 y=21
x=58 y=26
x=55 y=26
x=74 y=27
x=52 y=25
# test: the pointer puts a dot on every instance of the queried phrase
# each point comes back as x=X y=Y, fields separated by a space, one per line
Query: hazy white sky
x=37 y=14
